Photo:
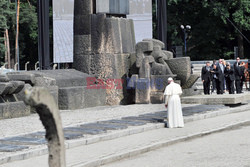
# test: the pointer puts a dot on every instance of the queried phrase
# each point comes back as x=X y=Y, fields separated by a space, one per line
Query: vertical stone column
x=82 y=34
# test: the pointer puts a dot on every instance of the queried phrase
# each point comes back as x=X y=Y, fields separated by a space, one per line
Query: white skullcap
x=170 y=79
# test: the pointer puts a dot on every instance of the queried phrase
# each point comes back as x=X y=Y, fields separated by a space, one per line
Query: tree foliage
x=212 y=35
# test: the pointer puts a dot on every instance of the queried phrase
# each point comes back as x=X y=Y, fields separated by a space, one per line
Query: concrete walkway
x=114 y=144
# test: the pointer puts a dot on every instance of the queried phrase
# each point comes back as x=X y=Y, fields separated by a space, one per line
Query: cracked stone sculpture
x=47 y=109
x=155 y=67
x=11 y=106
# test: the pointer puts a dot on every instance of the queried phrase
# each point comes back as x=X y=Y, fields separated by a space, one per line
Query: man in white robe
x=173 y=104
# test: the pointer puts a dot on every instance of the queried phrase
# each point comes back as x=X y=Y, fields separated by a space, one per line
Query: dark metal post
x=185 y=42
x=43 y=34
x=162 y=21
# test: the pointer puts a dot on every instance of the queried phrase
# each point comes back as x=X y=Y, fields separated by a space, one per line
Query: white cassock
x=172 y=99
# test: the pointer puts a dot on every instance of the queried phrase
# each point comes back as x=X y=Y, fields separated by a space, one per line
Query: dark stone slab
x=21 y=140
x=125 y=122
x=187 y=111
x=67 y=135
x=105 y=126
x=84 y=130
x=11 y=148
x=145 y=119
x=153 y=117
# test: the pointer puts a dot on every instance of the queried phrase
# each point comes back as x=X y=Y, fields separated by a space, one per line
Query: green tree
x=6 y=18
x=212 y=35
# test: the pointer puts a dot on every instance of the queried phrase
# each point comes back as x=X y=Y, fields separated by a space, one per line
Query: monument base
x=225 y=99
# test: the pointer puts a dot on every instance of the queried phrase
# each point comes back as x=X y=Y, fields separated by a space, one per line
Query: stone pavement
x=23 y=138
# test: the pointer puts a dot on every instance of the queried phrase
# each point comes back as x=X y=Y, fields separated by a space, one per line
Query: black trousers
x=230 y=86
x=206 y=87
x=220 y=86
x=214 y=84
x=237 y=85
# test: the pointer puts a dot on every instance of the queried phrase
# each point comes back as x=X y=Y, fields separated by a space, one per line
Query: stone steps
x=33 y=144
x=103 y=152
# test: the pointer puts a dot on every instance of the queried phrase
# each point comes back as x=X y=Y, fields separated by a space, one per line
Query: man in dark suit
x=206 y=78
x=238 y=75
x=229 y=76
x=220 y=68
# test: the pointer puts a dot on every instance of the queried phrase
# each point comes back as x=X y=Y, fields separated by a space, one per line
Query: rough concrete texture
x=216 y=99
x=181 y=67
x=5 y=87
x=17 y=86
x=13 y=110
x=189 y=83
x=23 y=76
x=4 y=78
x=80 y=97
x=156 y=43
x=142 y=91
x=45 y=105
x=105 y=51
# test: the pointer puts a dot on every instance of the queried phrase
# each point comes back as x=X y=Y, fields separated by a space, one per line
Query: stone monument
x=10 y=105
x=155 y=67
x=102 y=47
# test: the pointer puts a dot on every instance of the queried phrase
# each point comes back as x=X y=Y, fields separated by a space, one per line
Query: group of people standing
x=224 y=76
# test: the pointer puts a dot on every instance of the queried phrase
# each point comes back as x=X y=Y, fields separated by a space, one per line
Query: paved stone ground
x=103 y=152
x=27 y=133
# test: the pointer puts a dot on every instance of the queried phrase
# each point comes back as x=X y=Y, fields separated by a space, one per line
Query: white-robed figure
x=173 y=104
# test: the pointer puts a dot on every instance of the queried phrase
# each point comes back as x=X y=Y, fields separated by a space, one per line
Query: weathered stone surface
x=125 y=122
x=145 y=119
x=83 y=130
x=4 y=78
x=128 y=40
x=142 y=47
x=45 y=81
x=13 y=110
x=159 y=82
x=82 y=63
x=156 y=97
x=181 y=67
x=17 y=86
x=64 y=77
x=145 y=69
x=23 y=76
x=105 y=126
x=82 y=45
x=80 y=97
x=189 y=83
x=82 y=25
x=83 y=7
x=215 y=99
x=5 y=88
x=156 y=42
x=46 y=107
x=142 y=92
x=132 y=81
x=167 y=55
